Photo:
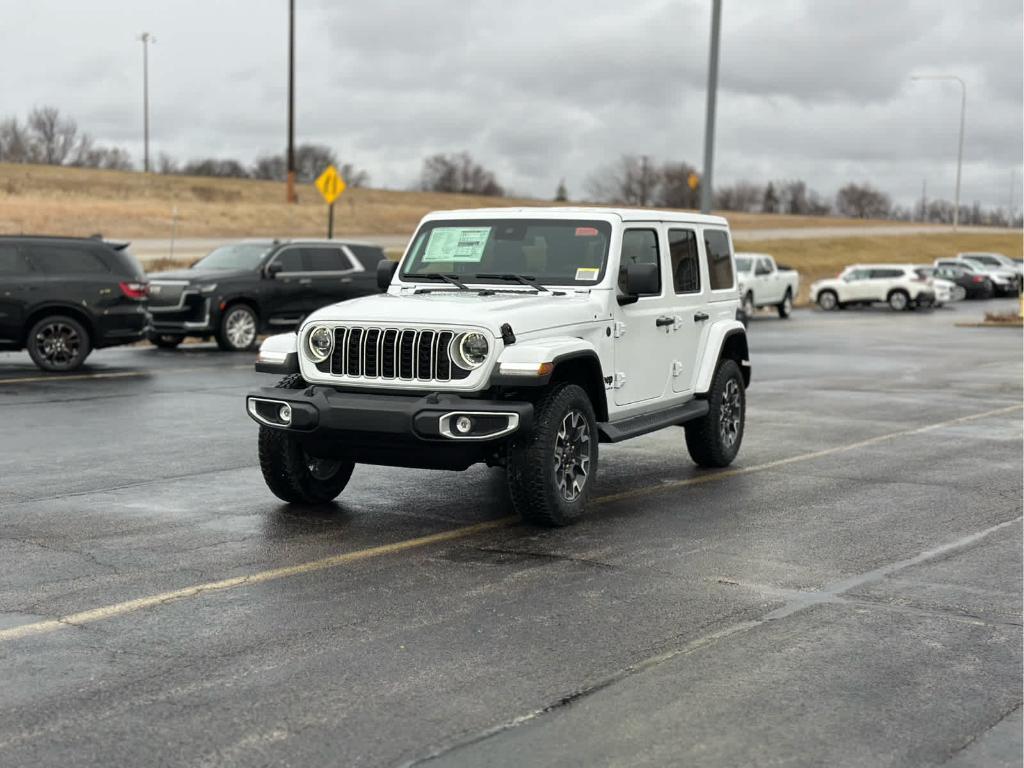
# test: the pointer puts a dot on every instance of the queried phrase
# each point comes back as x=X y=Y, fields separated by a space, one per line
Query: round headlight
x=320 y=343
x=471 y=350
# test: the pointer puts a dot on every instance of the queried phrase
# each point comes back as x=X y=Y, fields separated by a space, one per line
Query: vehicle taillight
x=137 y=291
x=977 y=279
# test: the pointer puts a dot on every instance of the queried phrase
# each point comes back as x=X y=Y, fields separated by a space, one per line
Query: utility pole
x=146 y=39
x=709 y=125
x=924 y=199
x=960 y=151
x=290 y=191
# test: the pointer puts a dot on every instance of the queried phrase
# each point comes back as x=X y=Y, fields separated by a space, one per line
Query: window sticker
x=587 y=273
x=586 y=232
x=458 y=244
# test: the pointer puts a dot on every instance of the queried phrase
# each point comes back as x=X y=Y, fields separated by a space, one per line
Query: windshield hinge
x=677 y=368
x=619 y=381
x=620 y=329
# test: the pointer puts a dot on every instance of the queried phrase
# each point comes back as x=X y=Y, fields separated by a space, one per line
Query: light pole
x=290 y=188
x=146 y=39
x=960 y=151
x=709 y=117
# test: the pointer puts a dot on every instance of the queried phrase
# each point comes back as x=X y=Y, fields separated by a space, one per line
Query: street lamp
x=709 y=116
x=960 y=151
x=146 y=39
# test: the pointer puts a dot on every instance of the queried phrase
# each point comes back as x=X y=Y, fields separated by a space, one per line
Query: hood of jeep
x=525 y=311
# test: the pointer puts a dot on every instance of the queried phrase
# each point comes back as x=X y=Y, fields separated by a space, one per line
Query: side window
x=61 y=259
x=11 y=261
x=291 y=260
x=368 y=255
x=716 y=243
x=639 y=246
x=327 y=260
x=682 y=247
x=762 y=267
x=886 y=274
x=857 y=274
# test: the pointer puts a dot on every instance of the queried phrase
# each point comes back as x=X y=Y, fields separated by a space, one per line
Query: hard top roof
x=624 y=214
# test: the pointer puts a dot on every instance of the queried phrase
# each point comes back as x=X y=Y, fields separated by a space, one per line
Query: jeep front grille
x=401 y=354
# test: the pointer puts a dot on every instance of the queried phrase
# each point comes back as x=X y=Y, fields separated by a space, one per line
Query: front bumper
x=396 y=430
x=194 y=315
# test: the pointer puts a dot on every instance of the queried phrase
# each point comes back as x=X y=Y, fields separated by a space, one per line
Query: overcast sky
x=538 y=90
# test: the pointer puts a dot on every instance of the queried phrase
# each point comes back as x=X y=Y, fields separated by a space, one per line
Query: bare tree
x=631 y=180
x=770 y=200
x=458 y=173
x=55 y=138
x=166 y=164
x=270 y=167
x=15 y=146
x=353 y=176
x=862 y=201
x=742 y=196
x=561 y=194
x=674 y=190
x=211 y=166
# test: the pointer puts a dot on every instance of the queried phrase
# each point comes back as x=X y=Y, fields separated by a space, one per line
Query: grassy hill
x=80 y=201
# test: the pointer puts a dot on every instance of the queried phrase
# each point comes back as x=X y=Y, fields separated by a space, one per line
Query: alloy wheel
x=572 y=455
x=730 y=413
x=241 y=329
x=59 y=344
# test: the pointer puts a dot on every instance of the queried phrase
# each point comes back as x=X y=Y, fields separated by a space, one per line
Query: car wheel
x=292 y=474
x=551 y=473
x=238 y=329
x=898 y=301
x=58 y=343
x=828 y=300
x=748 y=305
x=714 y=439
x=786 y=307
x=165 y=340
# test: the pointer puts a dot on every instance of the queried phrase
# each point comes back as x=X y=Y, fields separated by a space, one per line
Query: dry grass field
x=825 y=257
x=79 y=201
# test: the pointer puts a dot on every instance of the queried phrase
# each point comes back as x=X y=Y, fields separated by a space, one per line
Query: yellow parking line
x=116 y=374
x=333 y=561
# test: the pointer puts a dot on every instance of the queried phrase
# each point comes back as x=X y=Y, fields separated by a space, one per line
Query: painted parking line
x=334 y=561
x=119 y=374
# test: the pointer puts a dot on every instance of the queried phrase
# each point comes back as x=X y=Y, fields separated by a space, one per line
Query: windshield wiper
x=529 y=280
x=453 y=279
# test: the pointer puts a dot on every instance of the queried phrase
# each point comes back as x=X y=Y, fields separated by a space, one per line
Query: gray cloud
x=541 y=91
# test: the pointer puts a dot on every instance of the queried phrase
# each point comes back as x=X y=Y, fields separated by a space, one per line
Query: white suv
x=898 y=285
x=521 y=338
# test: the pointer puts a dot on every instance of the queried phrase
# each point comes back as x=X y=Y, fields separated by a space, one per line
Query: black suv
x=62 y=297
x=241 y=290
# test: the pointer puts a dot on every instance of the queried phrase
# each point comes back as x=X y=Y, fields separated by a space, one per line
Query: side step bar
x=614 y=432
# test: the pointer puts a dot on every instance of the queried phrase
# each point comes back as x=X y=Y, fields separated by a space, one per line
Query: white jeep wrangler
x=517 y=337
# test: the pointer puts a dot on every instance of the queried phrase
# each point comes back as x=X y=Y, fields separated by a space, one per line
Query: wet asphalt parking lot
x=848 y=594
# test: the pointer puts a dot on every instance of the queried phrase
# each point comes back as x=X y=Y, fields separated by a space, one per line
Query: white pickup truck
x=763 y=283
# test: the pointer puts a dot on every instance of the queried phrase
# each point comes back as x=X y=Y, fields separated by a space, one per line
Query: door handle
x=664 y=320
x=700 y=317
x=306 y=281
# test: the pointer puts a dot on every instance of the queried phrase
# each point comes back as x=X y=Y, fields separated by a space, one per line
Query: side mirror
x=641 y=280
x=385 y=272
x=274 y=269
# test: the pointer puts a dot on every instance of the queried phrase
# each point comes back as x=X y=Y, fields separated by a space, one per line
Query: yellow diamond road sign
x=330 y=184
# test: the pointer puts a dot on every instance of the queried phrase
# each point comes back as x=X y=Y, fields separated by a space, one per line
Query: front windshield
x=550 y=251
x=744 y=264
x=238 y=256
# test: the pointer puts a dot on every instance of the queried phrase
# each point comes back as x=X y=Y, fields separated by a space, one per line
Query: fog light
x=285 y=414
x=463 y=424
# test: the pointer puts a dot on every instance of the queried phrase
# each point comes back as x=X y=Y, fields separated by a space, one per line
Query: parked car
x=1005 y=279
x=1004 y=282
x=521 y=338
x=995 y=261
x=898 y=285
x=975 y=284
x=241 y=290
x=762 y=283
x=946 y=291
x=62 y=297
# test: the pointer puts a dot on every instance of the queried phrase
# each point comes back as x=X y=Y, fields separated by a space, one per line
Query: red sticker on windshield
x=586 y=232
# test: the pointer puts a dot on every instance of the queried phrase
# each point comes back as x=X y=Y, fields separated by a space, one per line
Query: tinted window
x=368 y=255
x=291 y=260
x=716 y=243
x=237 y=256
x=63 y=259
x=763 y=267
x=639 y=246
x=682 y=247
x=327 y=260
x=11 y=262
x=857 y=274
x=886 y=273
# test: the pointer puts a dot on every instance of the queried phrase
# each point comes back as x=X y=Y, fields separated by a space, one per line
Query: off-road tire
x=898 y=300
x=165 y=340
x=58 y=344
x=286 y=466
x=704 y=436
x=532 y=478
x=824 y=302
x=785 y=307
x=228 y=341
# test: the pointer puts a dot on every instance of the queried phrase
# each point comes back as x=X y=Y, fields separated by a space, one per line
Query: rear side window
x=682 y=247
x=367 y=255
x=63 y=259
x=327 y=260
x=11 y=261
x=886 y=273
x=639 y=246
x=716 y=243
